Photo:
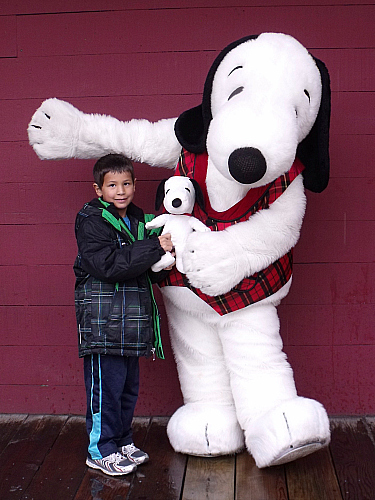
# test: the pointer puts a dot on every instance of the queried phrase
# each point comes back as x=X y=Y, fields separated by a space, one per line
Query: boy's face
x=118 y=188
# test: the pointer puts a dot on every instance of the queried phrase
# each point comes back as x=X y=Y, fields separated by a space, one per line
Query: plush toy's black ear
x=198 y=194
x=160 y=195
x=313 y=151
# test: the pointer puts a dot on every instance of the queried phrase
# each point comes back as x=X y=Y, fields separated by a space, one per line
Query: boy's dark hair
x=111 y=163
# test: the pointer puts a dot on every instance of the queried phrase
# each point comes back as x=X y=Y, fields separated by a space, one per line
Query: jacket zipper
x=118 y=224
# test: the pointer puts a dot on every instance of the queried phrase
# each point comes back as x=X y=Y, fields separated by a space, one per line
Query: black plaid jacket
x=115 y=308
x=262 y=284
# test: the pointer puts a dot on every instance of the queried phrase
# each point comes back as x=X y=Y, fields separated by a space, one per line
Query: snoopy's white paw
x=293 y=429
x=205 y=430
x=166 y=261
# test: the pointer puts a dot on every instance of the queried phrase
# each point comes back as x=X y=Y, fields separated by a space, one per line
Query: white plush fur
x=58 y=131
x=234 y=376
x=179 y=199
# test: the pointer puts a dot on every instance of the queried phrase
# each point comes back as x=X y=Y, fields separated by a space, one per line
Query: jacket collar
x=132 y=209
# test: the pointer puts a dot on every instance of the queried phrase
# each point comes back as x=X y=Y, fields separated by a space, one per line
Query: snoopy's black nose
x=176 y=203
x=247 y=165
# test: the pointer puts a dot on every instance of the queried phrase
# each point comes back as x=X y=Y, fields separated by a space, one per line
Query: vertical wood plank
x=25 y=453
x=209 y=478
x=353 y=454
x=259 y=484
x=313 y=478
x=9 y=424
x=161 y=478
x=62 y=471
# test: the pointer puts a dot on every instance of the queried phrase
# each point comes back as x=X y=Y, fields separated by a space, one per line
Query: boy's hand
x=166 y=242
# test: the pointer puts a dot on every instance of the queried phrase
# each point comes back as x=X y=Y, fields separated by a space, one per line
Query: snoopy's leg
x=206 y=424
x=279 y=426
x=165 y=261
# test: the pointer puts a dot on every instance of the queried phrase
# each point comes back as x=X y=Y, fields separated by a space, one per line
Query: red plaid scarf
x=261 y=284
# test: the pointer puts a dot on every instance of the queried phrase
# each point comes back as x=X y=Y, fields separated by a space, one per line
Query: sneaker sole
x=108 y=472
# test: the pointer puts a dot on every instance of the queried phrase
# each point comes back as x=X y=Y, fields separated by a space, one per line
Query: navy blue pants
x=112 y=384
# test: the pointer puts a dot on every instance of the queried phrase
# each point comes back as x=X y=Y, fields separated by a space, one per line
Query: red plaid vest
x=262 y=284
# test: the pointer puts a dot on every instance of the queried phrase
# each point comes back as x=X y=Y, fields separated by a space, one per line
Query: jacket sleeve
x=159 y=276
x=101 y=257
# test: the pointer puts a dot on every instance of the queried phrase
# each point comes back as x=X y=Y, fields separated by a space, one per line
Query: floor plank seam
x=335 y=471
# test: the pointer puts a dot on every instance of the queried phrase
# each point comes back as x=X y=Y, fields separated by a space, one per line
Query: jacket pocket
x=103 y=297
x=83 y=314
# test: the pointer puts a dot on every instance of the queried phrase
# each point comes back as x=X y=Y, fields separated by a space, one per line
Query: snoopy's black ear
x=198 y=194
x=313 y=151
x=190 y=130
x=160 y=195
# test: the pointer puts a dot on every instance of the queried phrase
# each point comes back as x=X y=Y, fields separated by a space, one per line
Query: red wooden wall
x=149 y=59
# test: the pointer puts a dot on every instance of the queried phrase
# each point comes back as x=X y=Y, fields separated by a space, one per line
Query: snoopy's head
x=178 y=195
x=266 y=100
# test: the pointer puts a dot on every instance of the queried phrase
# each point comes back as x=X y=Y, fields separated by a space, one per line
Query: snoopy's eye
x=235 y=92
x=167 y=191
x=307 y=93
x=188 y=190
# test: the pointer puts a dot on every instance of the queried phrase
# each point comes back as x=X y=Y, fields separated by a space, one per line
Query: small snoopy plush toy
x=178 y=195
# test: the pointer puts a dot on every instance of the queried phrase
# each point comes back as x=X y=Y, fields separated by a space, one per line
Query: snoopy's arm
x=58 y=130
x=217 y=261
x=197 y=225
x=158 y=221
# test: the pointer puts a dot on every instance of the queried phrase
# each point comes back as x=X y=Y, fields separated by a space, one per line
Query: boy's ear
x=160 y=195
x=98 y=191
x=198 y=194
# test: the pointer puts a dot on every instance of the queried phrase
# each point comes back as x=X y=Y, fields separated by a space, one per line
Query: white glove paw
x=54 y=129
x=213 y=263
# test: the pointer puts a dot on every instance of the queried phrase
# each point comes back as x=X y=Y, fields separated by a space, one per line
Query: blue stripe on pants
x=112 y=384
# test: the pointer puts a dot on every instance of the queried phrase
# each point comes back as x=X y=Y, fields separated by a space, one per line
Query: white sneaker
x=113 y=465
x=133 y=454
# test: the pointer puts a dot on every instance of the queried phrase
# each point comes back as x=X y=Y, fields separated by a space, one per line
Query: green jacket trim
x=120 y=226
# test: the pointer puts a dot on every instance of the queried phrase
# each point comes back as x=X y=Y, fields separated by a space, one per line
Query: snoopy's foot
x=166 y=260
x=205 y=430
x=292 y=430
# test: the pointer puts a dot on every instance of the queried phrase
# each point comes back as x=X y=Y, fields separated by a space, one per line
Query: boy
x=116 y=312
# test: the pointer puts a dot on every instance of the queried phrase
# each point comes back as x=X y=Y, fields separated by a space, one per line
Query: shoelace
x=130 y=448
x=116 y=457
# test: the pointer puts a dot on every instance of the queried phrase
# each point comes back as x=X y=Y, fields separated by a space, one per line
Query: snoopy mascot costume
x=259 y=138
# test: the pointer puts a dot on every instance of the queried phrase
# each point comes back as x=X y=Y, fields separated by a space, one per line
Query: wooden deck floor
x=43 y=458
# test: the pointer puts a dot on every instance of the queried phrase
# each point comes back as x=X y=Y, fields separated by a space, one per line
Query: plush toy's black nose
x=247 y=165
x=176 y=203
